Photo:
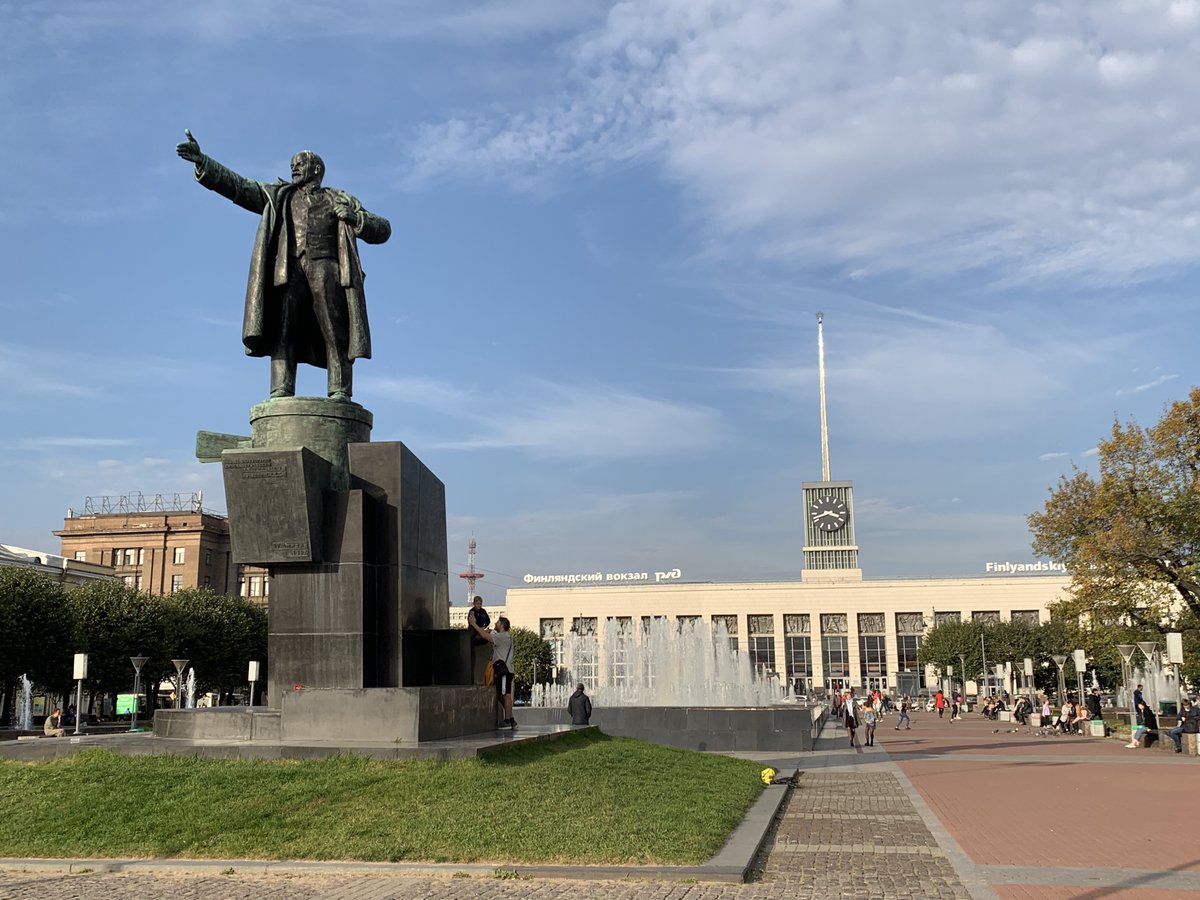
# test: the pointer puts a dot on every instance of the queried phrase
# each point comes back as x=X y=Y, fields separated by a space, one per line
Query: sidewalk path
x=946 y=810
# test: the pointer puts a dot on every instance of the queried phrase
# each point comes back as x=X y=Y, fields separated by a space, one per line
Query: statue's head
x=307 y=167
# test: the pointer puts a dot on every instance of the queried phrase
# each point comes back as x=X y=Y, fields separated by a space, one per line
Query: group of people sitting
x=1071 y=718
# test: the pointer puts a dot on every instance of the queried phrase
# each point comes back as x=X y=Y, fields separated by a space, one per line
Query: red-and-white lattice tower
x=471 y=575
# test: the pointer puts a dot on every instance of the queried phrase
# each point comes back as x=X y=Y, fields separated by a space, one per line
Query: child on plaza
x=904 y=707
x=870 y=719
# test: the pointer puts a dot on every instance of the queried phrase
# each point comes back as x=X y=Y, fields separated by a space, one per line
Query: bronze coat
x=270 y=260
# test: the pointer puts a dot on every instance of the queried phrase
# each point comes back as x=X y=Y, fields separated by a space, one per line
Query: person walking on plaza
x=1189 y=723
x=851 y=717
x=904 y=708
x=939 y=703
x=580 y=707
x=1093 y=704
x=870 y=719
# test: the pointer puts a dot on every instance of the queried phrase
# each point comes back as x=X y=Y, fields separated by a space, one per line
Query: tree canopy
x=533 y=659
x=42 y=626
x=1131 y=536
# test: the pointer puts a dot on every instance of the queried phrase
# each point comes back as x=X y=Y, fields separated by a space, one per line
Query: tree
x=533 y=659
x=35 y=633
x=216 y=633
x=953 y=644
x=1131 y=537
x=111 y=622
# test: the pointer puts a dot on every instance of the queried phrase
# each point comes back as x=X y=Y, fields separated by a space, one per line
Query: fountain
x=190 y=697
x=681 y=684
x=23 y=706
x=663 y=664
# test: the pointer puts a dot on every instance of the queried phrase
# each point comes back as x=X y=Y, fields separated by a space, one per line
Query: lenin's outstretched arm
x=214 y=176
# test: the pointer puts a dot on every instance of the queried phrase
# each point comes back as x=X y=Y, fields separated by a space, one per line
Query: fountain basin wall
x=720 y=728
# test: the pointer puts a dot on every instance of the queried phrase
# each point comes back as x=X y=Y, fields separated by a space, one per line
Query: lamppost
x=1127 y=651
x=1150 y=651
x=252 y=677
x=81 y=667
x=138 y=662
x=1080 y=666
x=180 y=665
x=1060 y=660
x=983 y=650
x=1175 y=658
x=1029 y=685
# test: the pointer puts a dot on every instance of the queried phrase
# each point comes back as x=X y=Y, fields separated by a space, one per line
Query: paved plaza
x=969 y=809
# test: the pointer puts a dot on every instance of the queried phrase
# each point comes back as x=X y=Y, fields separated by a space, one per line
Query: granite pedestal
x=354 y=536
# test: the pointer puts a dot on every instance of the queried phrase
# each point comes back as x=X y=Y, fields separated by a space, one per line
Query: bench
x=1189 y=743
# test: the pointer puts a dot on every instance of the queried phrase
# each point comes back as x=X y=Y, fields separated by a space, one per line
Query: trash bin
x=1168 y=708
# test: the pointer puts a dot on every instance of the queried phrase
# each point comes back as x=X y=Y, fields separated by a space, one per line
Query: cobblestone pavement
x=840 y=834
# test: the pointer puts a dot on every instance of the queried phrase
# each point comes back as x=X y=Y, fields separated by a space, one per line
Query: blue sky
x=613 y=225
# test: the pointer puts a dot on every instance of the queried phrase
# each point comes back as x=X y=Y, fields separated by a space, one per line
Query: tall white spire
x=821 y=379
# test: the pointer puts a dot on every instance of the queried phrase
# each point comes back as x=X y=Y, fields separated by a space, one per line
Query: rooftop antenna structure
x=471 y=575
x=821 y=380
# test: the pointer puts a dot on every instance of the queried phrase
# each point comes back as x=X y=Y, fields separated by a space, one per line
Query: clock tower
x=830 y=553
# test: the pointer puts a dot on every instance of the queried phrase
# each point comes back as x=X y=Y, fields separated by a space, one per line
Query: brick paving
x=1057 y=817
x=946 y=810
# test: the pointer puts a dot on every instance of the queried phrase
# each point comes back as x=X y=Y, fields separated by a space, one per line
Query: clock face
x=828 y=513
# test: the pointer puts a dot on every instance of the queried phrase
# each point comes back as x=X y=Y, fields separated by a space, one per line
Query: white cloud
x=592 y=424
x=425 y=392
x=1149 y=385
x=895 y=376
x=1047 y=457
x=1042 y=140
x=74 y=442
x=227 y=21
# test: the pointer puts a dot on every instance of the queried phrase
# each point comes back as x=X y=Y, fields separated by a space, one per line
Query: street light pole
x=983 y=650
x=1150 y=651
x=1127 y=651
x=180 y=665
x=81 y=667
x=138 y=662
x=1060 y=660
x=1080 y=667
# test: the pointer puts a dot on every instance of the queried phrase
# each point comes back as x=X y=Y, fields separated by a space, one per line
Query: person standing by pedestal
x=580 y=707
x=477 y=617
x=502 y=667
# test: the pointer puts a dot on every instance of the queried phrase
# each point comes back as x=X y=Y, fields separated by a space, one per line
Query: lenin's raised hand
x=190 y=149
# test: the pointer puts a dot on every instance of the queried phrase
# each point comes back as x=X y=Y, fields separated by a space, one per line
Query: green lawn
x=586 y=798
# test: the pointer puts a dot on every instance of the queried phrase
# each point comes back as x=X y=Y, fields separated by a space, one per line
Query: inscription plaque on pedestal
x=274 y=499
